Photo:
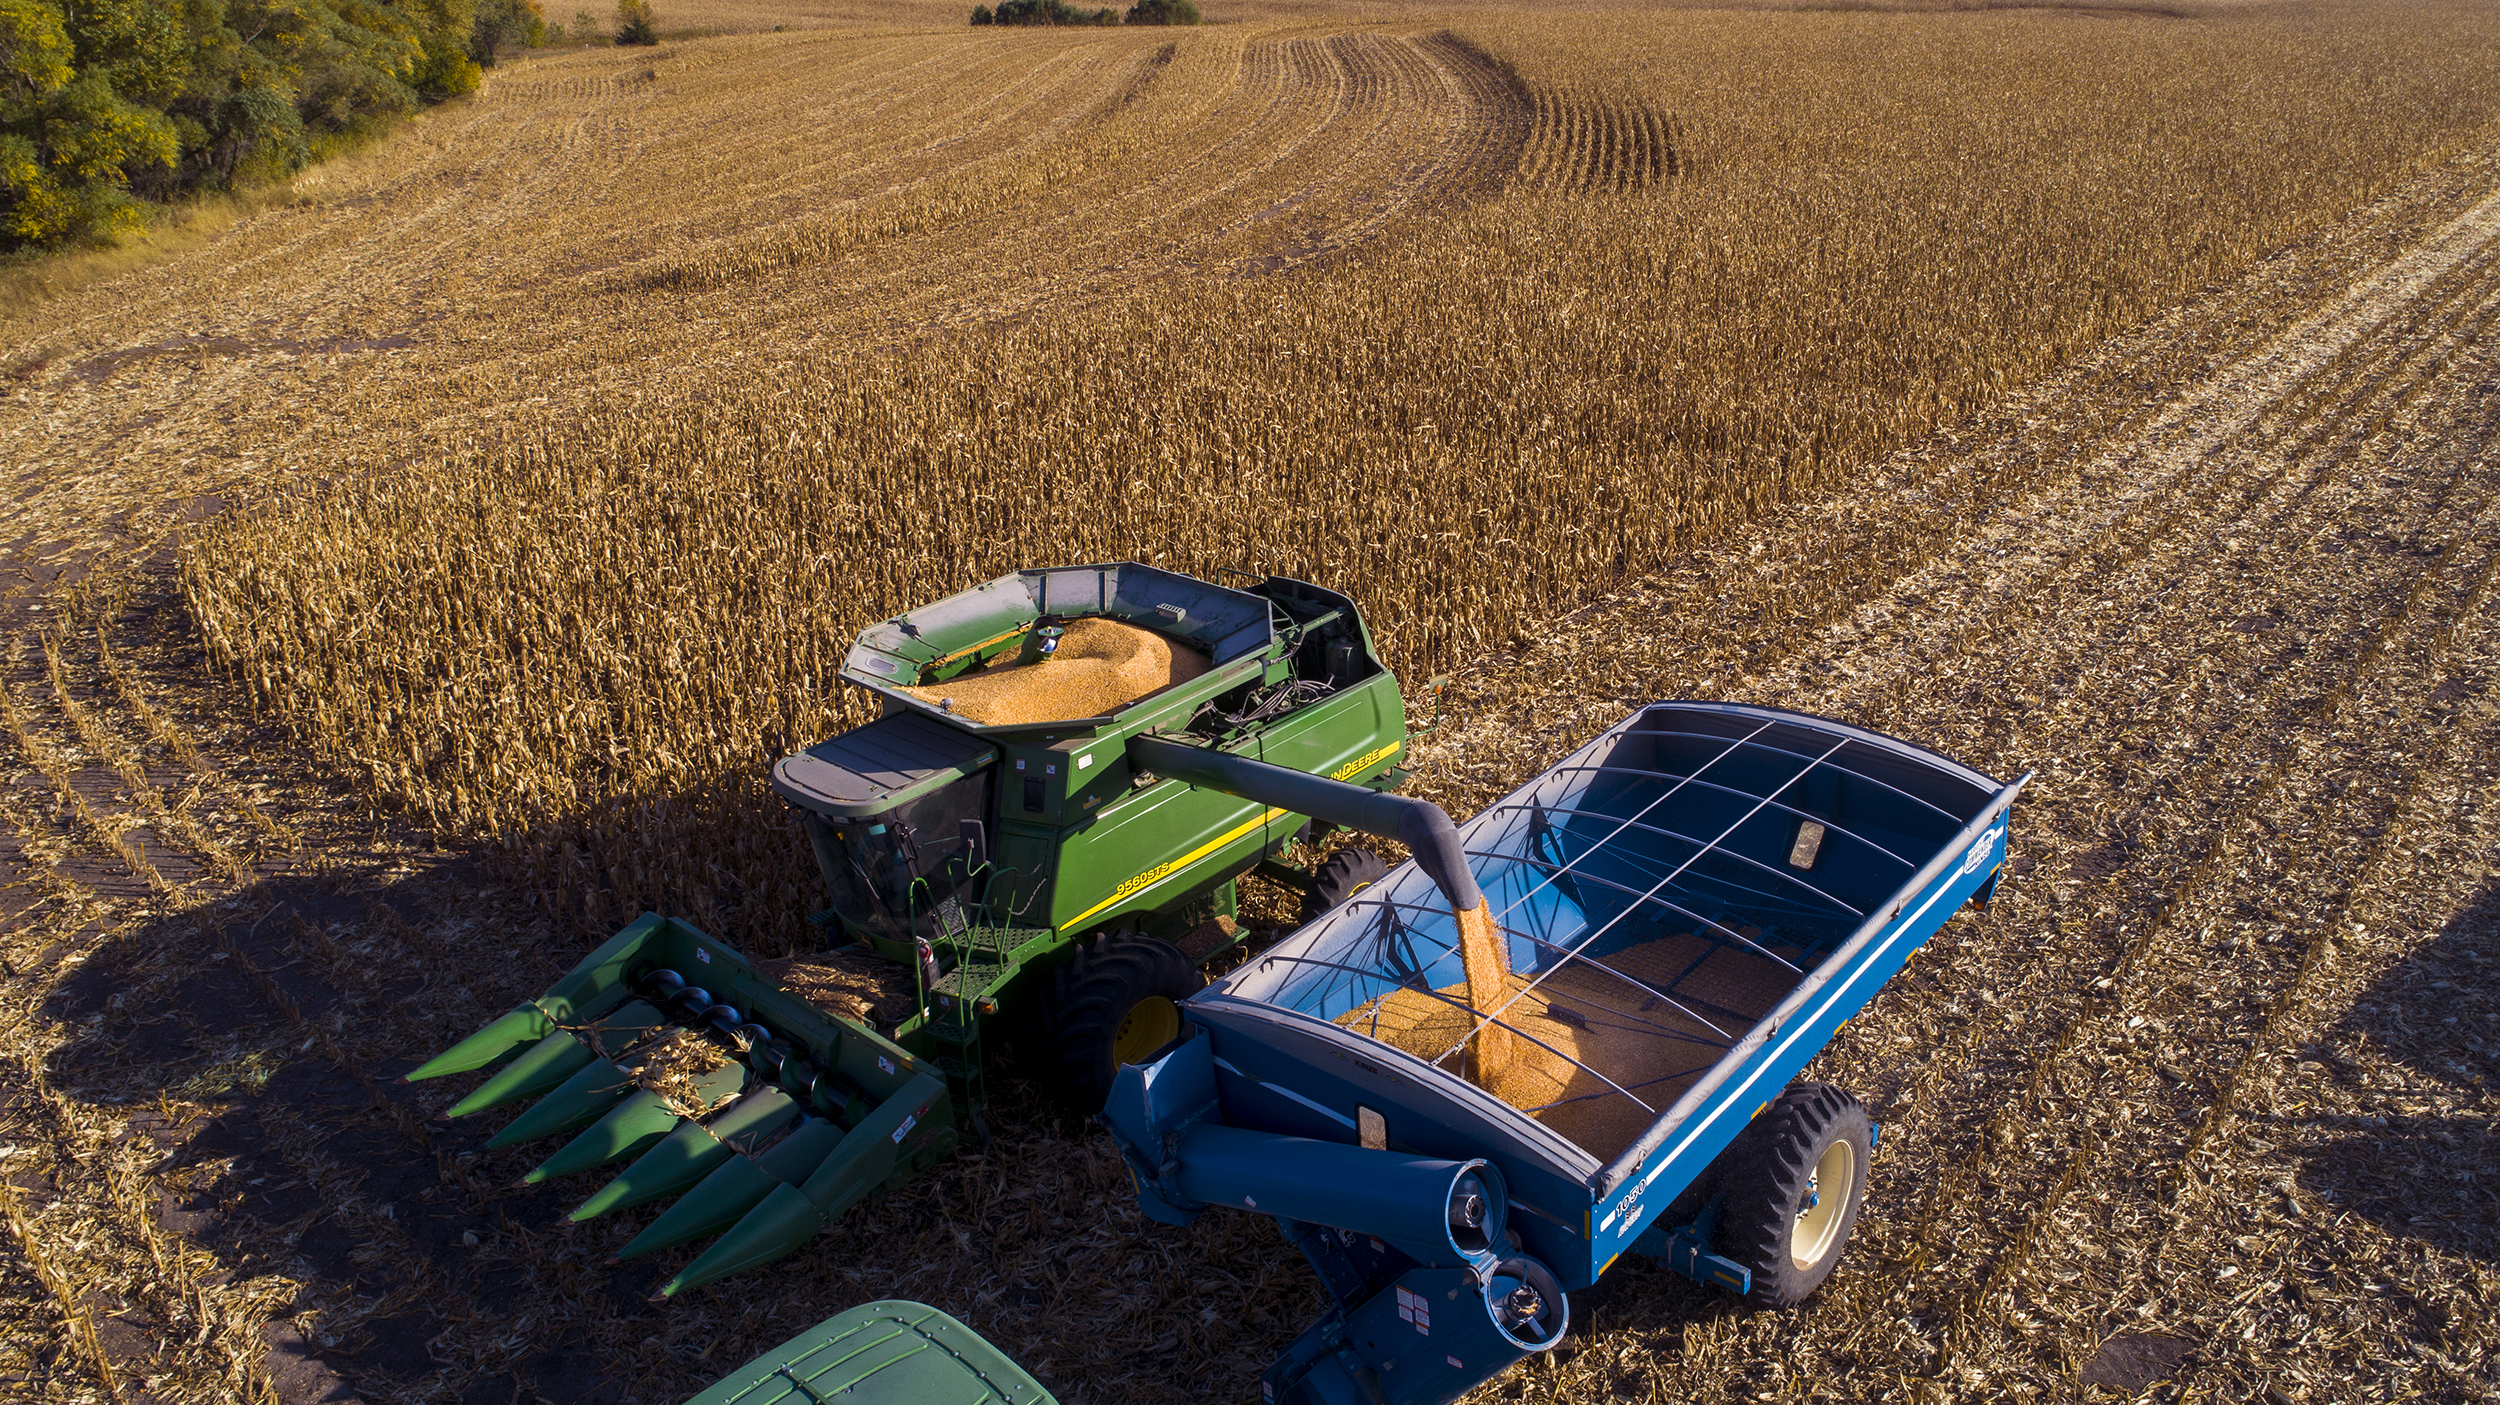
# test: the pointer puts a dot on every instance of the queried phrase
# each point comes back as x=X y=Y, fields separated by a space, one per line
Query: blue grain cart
x=1460 y=1120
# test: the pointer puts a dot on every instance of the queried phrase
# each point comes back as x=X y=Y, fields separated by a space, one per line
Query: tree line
x=105 y=104
x=1056 y=12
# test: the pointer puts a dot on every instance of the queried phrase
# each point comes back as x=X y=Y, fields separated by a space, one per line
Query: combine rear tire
x=1345 y=873
x=1792 y=1192
x=1116 y=1002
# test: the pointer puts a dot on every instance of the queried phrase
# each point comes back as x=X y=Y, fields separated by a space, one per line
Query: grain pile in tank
x=1101 y=666
x=1584 y=1014
x=1731 y=987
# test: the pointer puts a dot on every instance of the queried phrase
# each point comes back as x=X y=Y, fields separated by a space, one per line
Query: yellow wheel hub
x=1827 y=1196
x=1149 y=1024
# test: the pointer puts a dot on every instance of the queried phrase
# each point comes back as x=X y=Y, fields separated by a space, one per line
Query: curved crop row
x=1584 y=142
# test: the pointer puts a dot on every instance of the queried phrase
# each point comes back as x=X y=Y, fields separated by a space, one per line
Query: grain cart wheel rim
x=1818 y=1224
x=1149 y=1024
x=1790 y=1187
x=1102 y=1008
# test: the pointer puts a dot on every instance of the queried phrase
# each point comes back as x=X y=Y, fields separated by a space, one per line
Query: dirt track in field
x=2207 y=1096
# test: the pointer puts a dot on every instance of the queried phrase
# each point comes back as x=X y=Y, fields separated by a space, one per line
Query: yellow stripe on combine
x=1161 y=871
x=1363 y=762
x=1132 y=887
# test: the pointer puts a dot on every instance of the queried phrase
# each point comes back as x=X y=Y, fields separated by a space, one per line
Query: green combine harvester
x=1073 y=769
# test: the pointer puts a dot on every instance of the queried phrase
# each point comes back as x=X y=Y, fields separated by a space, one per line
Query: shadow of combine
x=2429 y=1168
x=259 y=1046
x=290 y=1012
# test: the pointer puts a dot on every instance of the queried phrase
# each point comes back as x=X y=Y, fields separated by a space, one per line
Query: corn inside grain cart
x=1457 y=1133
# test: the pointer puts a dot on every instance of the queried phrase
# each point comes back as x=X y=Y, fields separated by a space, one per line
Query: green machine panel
x=881 y=1353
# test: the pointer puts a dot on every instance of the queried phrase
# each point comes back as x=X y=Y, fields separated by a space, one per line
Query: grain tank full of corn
x=1072 y=769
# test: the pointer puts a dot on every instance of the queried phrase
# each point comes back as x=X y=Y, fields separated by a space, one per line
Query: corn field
x=1597 y=332
x=417 y=571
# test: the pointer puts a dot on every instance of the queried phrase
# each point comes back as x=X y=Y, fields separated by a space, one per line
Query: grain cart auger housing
x=1685 y=910
x=1024 y=829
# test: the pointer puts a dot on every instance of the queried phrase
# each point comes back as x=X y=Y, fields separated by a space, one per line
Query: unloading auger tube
x=1418 y=824
x=1423 y=827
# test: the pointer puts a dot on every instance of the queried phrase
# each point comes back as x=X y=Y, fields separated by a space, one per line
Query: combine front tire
x=1116 y=1002
x=1793 y=1197
x=1347 y=872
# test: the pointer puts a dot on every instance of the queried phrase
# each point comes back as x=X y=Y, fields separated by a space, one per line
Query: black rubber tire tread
x=1343 y=874
x=1089 y=996
x=1765 y=1187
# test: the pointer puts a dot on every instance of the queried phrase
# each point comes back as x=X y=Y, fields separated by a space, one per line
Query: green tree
x=68 y=141
x=35 y=50
x=504 y=25
x=101 y=100
x=1163 y=12
x=445 y=28
x=636 y=23
x=1044 y=12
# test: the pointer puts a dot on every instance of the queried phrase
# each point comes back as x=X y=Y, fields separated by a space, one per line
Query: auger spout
x=1423 y=827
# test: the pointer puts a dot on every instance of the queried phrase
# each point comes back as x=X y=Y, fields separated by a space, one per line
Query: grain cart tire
x=1792 y=1193
x=1344 y=873
x=1117 y=1001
